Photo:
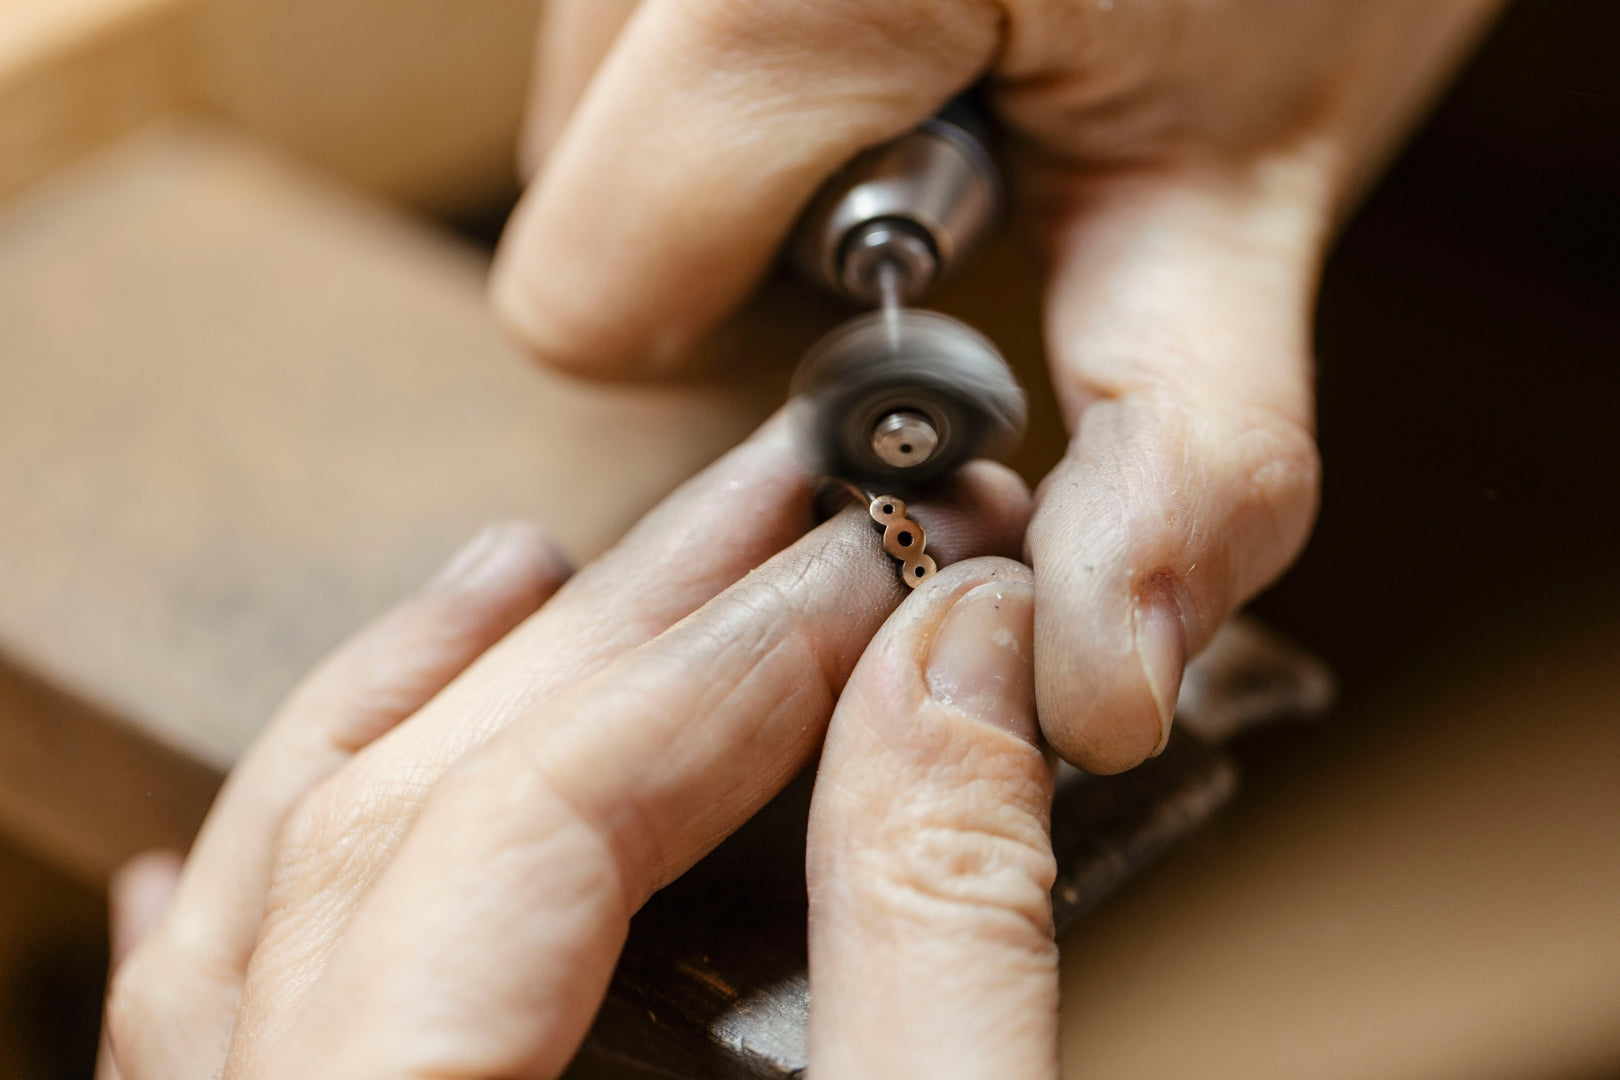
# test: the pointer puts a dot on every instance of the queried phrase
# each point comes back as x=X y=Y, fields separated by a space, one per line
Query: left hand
x=427 y=864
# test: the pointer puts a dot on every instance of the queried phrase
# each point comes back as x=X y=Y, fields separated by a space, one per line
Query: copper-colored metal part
x=903 y=538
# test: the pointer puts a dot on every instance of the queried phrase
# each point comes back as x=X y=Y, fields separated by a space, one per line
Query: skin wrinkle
x=575 y=906
x=777 y=591
x=1010 y=812
x=317 y=829
x=1162 y=62
x=653 y=864
x=1009 y=907
x=1229 y=449
x=1204 y=439
x=926 y=886
x=536 y=773
x=781 y=594
x=788 y=34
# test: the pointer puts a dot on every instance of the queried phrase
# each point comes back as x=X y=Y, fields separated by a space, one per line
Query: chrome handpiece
x=899 y=396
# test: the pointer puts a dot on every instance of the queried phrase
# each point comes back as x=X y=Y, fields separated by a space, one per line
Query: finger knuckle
x=1276 y=474
x=973 y=854
x=593 y=860
x=1182 y=477
x=1280 y=452
x=334 y=837
x=306 y=836
x=768 y=622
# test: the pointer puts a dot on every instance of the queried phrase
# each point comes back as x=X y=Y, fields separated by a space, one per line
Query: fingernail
x=1161 y=648
x=979 y=660
x=480 y=560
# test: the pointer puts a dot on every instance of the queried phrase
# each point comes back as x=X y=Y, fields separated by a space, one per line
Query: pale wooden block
x=418 y=100
x=74 y=73
x=240 y=413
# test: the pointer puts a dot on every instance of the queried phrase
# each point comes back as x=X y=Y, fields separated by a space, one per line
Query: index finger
x=706 y=130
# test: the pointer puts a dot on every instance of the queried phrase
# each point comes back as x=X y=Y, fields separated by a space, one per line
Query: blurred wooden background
x=249 y=393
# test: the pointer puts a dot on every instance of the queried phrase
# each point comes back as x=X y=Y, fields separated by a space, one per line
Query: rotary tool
x=899 y=396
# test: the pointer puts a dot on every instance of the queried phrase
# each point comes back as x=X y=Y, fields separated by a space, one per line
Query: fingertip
x=534 y=555
x=523 y=315
x=991 y=507
x=507 y=559
x=1123 y=715
x=1108 y=655
x=1103 y=730
x=1001 y=486
x=137 y=894
x=959 y=578
x=559 y=320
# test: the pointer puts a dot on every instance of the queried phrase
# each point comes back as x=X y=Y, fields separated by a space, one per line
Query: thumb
x=707 y=129
x=1178 y=319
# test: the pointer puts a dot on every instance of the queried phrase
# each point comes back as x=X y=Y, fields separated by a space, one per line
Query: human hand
x=427 y=863
x=1182 y=166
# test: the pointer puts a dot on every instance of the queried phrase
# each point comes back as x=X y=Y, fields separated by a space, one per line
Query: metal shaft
x=889 y=278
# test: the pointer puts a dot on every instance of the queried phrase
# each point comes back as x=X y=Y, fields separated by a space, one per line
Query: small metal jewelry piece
x=903 y=538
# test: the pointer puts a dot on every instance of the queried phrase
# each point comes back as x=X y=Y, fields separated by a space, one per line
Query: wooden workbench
x=249 y=393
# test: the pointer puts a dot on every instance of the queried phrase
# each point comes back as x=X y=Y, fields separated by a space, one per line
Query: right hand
x=1181 y=162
